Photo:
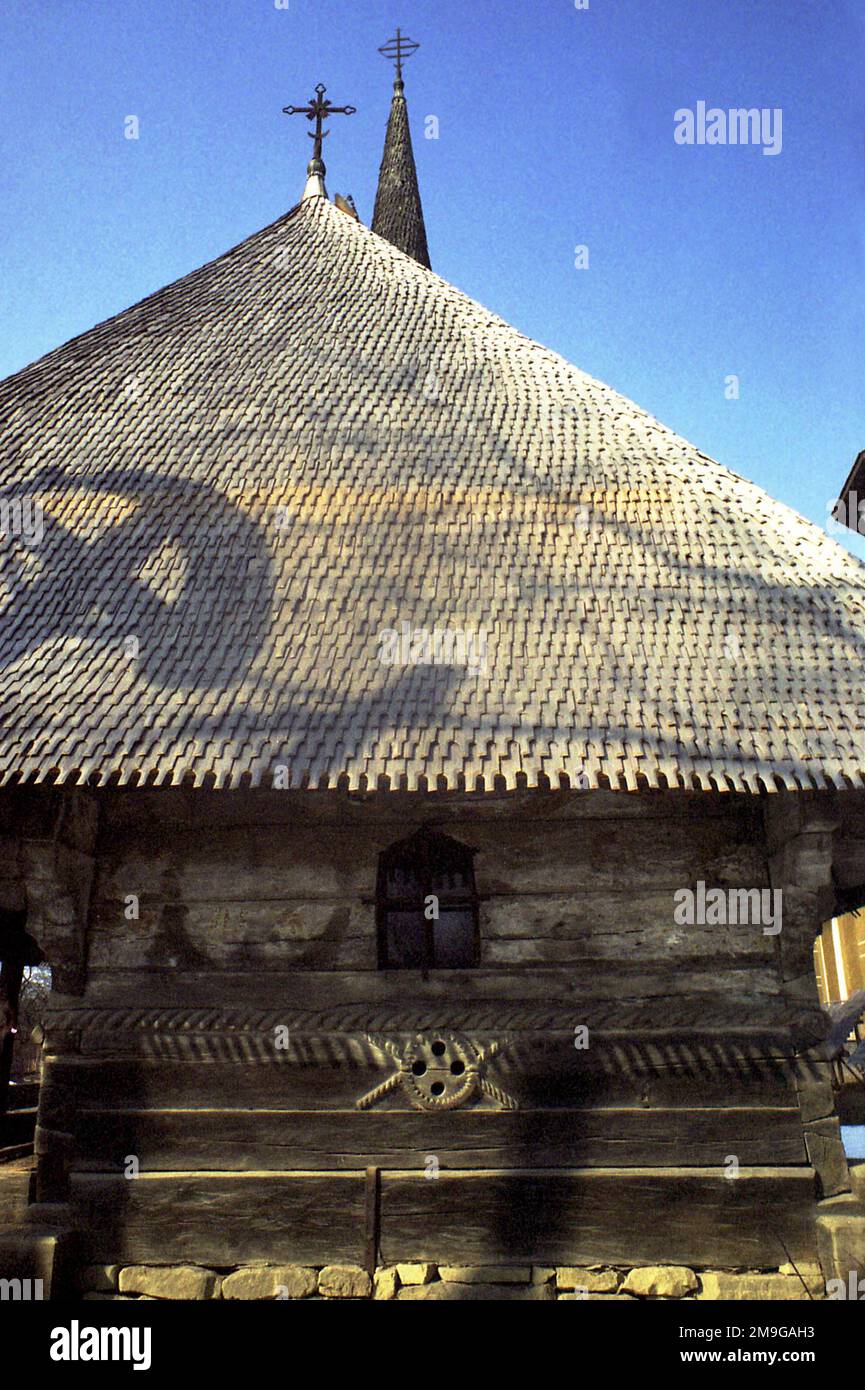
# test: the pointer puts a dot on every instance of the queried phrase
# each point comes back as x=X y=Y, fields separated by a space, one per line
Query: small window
x=427 y=905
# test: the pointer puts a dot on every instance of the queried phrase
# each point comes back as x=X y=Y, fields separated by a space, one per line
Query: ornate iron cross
x=397 y=49
x=319 y=110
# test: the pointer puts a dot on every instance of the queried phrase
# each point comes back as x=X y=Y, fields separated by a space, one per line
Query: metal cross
x=319 y=110
x=397 y=49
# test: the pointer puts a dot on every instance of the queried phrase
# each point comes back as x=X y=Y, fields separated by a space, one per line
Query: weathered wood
x=339 y=932
x=235 y=1140
x=256 y=915
x=253 y=934
x=613 y=1217
x=615 y=924
x=567 y=1218
x=525 y=951
x=826 y=1153
x=331 y=1073
x=235 y=864
x=372 y=1202
x=600 y=993
x=848 y=857
x=220 y=1219
x=131 y=811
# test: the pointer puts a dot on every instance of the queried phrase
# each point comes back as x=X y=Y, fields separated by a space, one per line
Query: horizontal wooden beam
x=758 y=1220
x=244 y=1071
x=221 y=1219
x=613 y=1216
x=283 y=1140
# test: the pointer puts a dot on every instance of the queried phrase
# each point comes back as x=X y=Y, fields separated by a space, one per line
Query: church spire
x=398 y=214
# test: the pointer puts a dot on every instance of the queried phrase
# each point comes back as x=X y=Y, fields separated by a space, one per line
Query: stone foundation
x=413 y=1282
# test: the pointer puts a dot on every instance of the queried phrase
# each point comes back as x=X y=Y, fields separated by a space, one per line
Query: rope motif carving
x=439 y=1071
x=693 y=1011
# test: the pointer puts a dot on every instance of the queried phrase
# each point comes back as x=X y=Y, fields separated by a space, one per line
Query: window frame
x=424 y=848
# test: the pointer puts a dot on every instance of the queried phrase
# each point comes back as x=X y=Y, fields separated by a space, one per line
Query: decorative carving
x=688 y=1013
x=438 y=1071
x=343 y=1037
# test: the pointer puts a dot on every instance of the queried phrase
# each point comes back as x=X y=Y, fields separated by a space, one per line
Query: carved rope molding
x=693 y=1012
x=341 y=1036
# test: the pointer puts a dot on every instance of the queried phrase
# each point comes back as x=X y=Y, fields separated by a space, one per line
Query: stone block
x=812 y=1275
x=39 y=1259
x=485 y=1274
x=661 y=1281
x=385 y=1284
x=593 y=1280
x=416 y=1274
x=597 y=1298
x=271 y=1281
x=344 y=1281
x=168 y=1281
x=441 y=1292
x=735 y=1287
x=841 y=1241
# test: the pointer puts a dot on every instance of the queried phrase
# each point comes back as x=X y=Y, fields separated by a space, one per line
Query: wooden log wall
x=227 y=1033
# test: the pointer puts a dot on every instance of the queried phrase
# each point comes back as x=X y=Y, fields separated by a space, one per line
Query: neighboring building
x=839 y=957
x=404 y=739
x=849 y=510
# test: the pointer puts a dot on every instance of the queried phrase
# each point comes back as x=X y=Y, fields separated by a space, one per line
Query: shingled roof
x=251 y=475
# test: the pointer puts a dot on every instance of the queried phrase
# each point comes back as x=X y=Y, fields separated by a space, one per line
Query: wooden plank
x=153 y=948
x=600 y=993
x=607 y=925
x=703 y=1220
x=300 y=860
x=637 y=924
x=651 y=947
x=571 y=857
x=128 y=811
x=246 y=1083
x=218 y=934
x=332 y=1073
x=220 y=1219
x=649 y=1071
x=848 y=856
x=237 y=1140
x=372 y=1196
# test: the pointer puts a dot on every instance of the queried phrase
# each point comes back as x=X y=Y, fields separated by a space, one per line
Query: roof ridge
x=299 y=209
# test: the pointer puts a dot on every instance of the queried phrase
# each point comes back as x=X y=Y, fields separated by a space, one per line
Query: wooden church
x=426 y=776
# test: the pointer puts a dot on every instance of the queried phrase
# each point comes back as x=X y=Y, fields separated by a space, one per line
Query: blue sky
x=555 y=129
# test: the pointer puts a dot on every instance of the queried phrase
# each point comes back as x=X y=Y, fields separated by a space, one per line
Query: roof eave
x=854 y=484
